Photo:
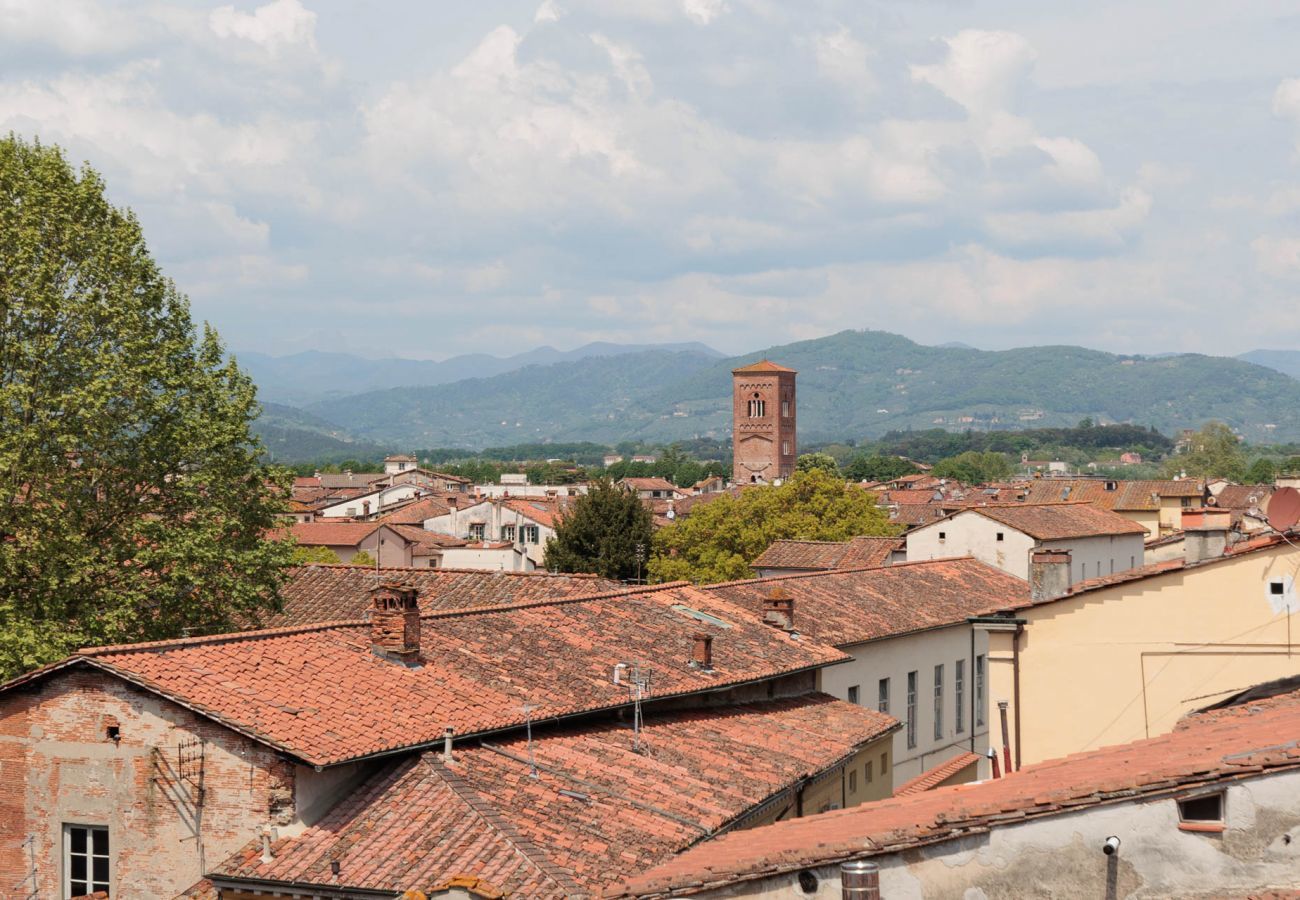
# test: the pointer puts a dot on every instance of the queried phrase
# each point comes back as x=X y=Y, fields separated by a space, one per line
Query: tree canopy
x=1213 y=452
x=133 y=504
x=824 y=462
x=973 y=467
x=878 y=468
x=720 y=538
x=601 y=533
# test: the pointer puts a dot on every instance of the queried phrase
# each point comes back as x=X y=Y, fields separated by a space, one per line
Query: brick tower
x=763 y=416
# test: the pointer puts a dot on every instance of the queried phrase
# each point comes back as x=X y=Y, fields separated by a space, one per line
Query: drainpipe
x=1006 y=738
x=970 y=688
x=859 y=880
x=1015 y=675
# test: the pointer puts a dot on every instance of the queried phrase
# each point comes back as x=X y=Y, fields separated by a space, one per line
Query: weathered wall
x=893 y=659
x=1060 y=856
x=58 y=766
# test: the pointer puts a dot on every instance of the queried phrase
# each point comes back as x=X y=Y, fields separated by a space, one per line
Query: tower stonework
x=763 y=423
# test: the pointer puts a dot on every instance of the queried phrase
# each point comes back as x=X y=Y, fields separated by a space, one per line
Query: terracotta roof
x=332 y=534
x=420 y=820
x=427 y=541
x=917 y=513
x=1244 y=742
x=764 y=365
x=1060 y=521
x=320 y=694
x=334 y=480
x=1126 y=495
x=860 y=552
x=907 y=497
x=1244 y=496
x=542 y=511
x=417 y=511
x=650 y=484
x=335 y=593
x=931 y=779
x=851 y=606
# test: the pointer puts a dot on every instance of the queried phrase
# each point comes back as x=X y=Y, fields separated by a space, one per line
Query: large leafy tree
x=601 y=533
x=132 y=502
x=1214 y=451
x=720 y=539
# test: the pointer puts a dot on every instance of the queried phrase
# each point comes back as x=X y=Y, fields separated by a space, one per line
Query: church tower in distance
x=763 y=416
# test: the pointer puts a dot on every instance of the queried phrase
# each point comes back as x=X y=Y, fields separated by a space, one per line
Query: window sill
x=1203 y=827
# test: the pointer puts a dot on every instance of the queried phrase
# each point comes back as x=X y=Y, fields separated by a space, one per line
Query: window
x=959 y=692
x=853 y=693
x=757 y=408
x=785 y=448
x=1001 y=536
x=507 y=532
x=938 y=702
x=866 y=772
x=882 y=696
x=1276 y=588
x=979 y=690
x=1201 y=813
x=853 y=780
x=785 y=409
x=943 y=535
x=86 y=860
x=1187 y=501
x=884 y=763
x=911 y=710
x=529 y=533
x=476 y=530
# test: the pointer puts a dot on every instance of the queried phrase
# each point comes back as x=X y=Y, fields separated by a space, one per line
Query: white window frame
x=981 y=664
x=90 y=882
x=959 y=693
x=912 y=679
x=938 y=702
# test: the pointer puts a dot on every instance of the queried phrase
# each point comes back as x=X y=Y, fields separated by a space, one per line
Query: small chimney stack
x=1049 y=574
x=446 y=744
x=859 y=880
x=395 y=623
x=702 y=652
x=1205 y=534
x=778 y=609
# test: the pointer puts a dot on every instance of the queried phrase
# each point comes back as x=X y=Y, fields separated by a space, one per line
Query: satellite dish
x=1284 y=509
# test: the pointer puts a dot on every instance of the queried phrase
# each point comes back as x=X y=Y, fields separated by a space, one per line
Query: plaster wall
x=493 y=517
x=1125 y=662
x=378 y=500
x=506 y=559
x=893 y=658
x=1060 y=856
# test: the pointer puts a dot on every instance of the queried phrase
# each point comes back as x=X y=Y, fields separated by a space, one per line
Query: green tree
x=720 y=539
x=824 y=462
x=360 y=558
x=878 y=468
x=132 y=502
x=1213 y=452
x=1261 y=471
x=601 y=532
x=973 y=467
x=306 y=554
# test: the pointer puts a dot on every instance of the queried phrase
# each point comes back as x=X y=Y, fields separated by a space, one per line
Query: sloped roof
x=1232 y=744
x=697 y=771
x=417 y=511
x=762 y=366
x=932 y=778
x=917 y=513
x=1244 y=496
x=852 y=606
x=320 y=694
x=332 y=534
x=650 y=484
x=1060 y=521
x=860 y=552
x=426 y=541
x=335 y=593
x=1126 y=495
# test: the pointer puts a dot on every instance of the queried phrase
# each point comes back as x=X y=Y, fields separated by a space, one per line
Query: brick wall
x=765 y=447
x=57 y=765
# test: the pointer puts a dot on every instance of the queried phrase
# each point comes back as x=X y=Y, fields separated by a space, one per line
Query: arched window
x=757 y=407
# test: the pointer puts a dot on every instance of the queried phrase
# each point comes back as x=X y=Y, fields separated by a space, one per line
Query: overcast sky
x=427 y=178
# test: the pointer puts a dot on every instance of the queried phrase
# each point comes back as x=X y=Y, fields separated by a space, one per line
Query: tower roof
x=765 y=365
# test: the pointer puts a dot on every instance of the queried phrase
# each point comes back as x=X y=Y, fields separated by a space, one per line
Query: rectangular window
x=866 y=772
x=1001 y=536
x=884 y=763
x=507 y=532
x=529 y=534
x=959 y=692
x=785 y=448
x=1204 y=810
x=86 y=860
x=911 y=710
x=757 y=408
x=476 y=531
x=785 y=409
x=979 y=690
x=938 y=702
x=853 y=693
x=853 y=781
x=882 y=696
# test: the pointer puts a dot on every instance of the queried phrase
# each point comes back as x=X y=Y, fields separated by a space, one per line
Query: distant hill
x=291 y=435
x=312 y=376
x=851 y=385
x=1284 y=361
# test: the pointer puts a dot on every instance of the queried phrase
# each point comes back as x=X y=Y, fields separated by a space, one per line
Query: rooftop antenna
x=528 y=719
x=639 y=685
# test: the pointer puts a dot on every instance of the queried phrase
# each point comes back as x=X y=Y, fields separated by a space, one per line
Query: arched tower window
x=757 y=407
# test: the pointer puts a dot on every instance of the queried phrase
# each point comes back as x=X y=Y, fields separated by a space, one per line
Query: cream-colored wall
x=503 y=560
x=840 y=788
x=1147 y=518
x=492 y=517
x=893 y=658
x=1125 y=662
x=379 y=501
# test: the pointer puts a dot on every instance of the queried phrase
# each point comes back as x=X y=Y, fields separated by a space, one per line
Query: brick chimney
x=702 y=652
x=1205 y=534
x=778 y=609
x=395 y=623
x=1049 y=574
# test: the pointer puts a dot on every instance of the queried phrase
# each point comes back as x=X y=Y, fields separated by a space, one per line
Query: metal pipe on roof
x=859 y=880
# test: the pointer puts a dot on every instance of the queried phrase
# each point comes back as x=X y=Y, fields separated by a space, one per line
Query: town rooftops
x=852 y=606
x=332 y=534
x=1059 y=521
x=856 y=553
x=1209 y=750
x=1118 y=495
x=650 y=484
x=763 y=366
x=320 y=694
x=605 y=804
x=338 y=592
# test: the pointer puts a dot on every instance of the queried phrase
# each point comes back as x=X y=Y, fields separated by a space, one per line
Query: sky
x=425 y=178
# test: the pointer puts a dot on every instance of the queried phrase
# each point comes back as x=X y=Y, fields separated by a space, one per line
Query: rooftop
x=1211 y=749
x=763 y=365
x=332 y=534
x=1118 y=495
x=334 y=700
x=1060 y=521
x=852 y=606
x=857 y=553
x=599 y=810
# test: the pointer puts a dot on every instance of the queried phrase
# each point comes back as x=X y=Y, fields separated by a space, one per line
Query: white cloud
x=982 y=69
x=278 y=25
x=549 y=11
x=75 y=27
x=1108 y=227
x=844 y=59
x=703 y=11
x=1277 y=256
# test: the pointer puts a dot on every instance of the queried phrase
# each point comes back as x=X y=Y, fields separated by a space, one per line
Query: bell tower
x=763 y=423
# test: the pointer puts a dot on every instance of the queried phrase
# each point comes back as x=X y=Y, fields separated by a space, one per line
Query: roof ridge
x=220 y=638
x=558 y=601
x=822 y=572
x=486 y=811
x=426 y=570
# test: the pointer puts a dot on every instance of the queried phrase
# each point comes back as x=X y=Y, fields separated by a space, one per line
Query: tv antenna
x=639 y=687
x=528 y=720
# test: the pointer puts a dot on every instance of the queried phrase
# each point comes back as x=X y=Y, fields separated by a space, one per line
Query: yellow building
x=1123 y=657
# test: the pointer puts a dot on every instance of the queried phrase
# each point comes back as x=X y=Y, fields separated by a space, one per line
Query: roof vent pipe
x=446 y=744
x=859 y=880
x=267 y=855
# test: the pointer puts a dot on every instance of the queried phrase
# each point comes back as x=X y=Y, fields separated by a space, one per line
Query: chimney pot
x=778 y=609
x=446 y=744
x=702 y=652
x=395 y=622
x=859 y=880
x=1205 y=534
x=1049 y=574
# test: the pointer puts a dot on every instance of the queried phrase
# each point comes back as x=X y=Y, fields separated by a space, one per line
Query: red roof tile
x=1060 y=521
x=851 y=606
x=929 y=780
x=1125 y=495
x=332 y=534
x=1235 y=744
x=860 y=552
x=320 y=694
x=763 y=365
x=626 y=809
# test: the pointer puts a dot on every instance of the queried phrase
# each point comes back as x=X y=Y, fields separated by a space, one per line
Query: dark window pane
x=79 y=888
x=78 y=836
x=100 y=864
x=100 y=838
x=78 y=864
